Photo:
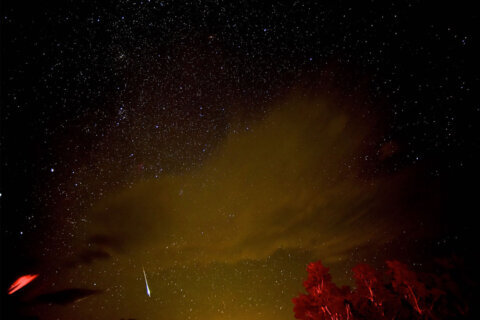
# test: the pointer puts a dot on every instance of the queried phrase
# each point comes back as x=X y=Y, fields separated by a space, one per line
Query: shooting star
x=146 y=282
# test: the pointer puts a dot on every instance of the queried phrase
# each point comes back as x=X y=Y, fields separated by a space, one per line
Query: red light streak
x=21 y=282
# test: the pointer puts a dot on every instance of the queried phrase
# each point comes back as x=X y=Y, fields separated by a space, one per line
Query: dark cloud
x=65 y=297
x=108 y=241
x=129 y=218
x=90 y=256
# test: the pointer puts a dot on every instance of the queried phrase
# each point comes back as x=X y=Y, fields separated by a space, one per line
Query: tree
x=400 y=294
x=324 y=300
x=370 y=295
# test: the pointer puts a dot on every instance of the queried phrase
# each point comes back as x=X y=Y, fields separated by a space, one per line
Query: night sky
x=216 y=148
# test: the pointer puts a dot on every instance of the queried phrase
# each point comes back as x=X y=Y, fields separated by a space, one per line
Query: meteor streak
x=146 y=282
x=21 y=282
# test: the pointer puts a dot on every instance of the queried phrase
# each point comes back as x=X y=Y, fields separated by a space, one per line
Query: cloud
x=107 y=241
x=293 y=180
x=67 y=296
x=89 y=256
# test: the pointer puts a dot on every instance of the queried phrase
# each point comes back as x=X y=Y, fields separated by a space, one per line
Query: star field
x=225 y=145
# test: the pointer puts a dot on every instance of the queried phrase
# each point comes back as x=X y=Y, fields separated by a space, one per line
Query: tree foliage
x=400 y=293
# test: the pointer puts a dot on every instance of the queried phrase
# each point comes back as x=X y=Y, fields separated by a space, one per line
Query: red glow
x=400 y=293
x=21 y=282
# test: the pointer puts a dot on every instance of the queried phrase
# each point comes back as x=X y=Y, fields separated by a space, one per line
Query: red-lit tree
x=402 y=294
x=408 y=285
x=324 y=300
x=370 y=295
